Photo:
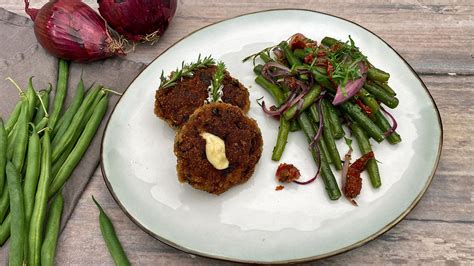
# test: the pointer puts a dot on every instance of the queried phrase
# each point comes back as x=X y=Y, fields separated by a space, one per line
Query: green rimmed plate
x=252 y=222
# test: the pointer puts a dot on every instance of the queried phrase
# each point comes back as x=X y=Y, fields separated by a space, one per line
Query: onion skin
x=138 y=20
x=71 y=30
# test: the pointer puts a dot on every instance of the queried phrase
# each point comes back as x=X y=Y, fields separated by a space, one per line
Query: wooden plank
x=433 y=37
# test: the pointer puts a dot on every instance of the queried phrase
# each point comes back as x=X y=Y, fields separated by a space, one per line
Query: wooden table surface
x=436 y=37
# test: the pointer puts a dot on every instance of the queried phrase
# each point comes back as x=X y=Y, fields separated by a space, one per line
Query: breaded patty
x=243 y=148
x=175 y=104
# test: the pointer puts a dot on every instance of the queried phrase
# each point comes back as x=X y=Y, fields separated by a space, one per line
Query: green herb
x=348 y=142
x=255 y=55
x=345 y=61
x=185 y=71
x=216 y=85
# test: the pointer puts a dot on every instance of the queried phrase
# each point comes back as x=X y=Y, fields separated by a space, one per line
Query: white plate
x=253 y=222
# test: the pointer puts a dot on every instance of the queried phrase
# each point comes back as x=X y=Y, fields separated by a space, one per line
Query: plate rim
x=359 y=243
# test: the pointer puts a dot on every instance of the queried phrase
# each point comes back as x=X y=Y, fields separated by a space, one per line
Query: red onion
x=394 y=126
x=71 y=30
x=352 y=87
x=138 y=20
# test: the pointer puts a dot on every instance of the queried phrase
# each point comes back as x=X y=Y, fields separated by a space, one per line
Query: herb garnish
x=345 y=62
x=185 y=71
x=216 y=84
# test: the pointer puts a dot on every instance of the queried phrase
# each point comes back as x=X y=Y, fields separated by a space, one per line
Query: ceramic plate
x=252 y=222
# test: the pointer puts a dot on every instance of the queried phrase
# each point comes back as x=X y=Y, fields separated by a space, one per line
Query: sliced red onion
x=394 y=123
x=278 y=111
x=352 y=87
x=320 y=129
x=273 y=70
x=345 y=167
x=318 y=158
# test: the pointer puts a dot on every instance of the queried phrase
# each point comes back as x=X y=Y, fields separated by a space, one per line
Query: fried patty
x=243 y=148
x=175 y=104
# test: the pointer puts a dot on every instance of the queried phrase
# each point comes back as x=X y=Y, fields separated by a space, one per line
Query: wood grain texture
x=435 y=37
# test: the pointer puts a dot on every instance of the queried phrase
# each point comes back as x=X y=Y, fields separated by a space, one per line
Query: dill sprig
x=345 y=61
x=185 y=71
x=216 y=84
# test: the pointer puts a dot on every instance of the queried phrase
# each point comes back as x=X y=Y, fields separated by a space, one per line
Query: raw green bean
x=308 y=99
x=328 y=177
x=32 y=99
x=283 y=132
x=382 y=96
x=3 y=153
x=384 y=86
x=294 y=126
x=35 y=233
x=33 y=160
x=42 y=124
x=110 y=238
x=377 y=74
x=364 y=146
x=290 y=57
x=64 y=122
x=273 y=89
x=328 y=136
x=5 y=229
x=12 y=134
x=265 y=57
x=60 y=95
x=63 y=141
x=21 y=138
x=334 y=122
x=48 y=249
x=44 y=95
x=368 y=100
x=13 y=117
x=382 y=122
x=17 y=228
x=80 y=147
x=4 y=203
x=356 y=114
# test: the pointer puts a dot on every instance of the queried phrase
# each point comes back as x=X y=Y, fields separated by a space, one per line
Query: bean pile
x=320 y=88
x=39 y=149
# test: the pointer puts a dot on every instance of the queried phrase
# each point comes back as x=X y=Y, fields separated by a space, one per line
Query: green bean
x=364 y=146
x=294 y=126
x=17 y=228
x=11 y=122
x=382 y=96
x=258 y=69
x=62 y=143
x=31 y=97
x=328 y=177
x=5 y=229
x=321 y=77
x=40 y=114
x=382 y=122
x=21 y=138
x=4 y=203
x=368 y=100
x=328 y=41
x=300 y=53
x=290 y=57
x=324 y=149
x=273 y=89
x=110 y=238
x=48 y=249
x=64 y=122
x=328 y=136
x=281 y=139
x=313 y=112
x=356 y=114
x=33 y=159
x=13 y=133
x=377 y=74
x=265 y=57
x=35 y=233
x=384 y=86
x=80 y=147
x=334 y=122
x=60 y=95
x=3 y=153
x=308 y=99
